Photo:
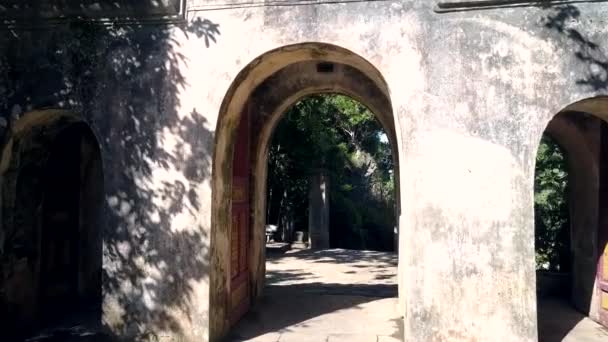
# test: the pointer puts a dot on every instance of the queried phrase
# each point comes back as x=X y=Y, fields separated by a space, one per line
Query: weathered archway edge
x=45 y=125
x=50 y=117
x=596 y=105
x=234 y=101
x=40 y=117
x=579 y=140
x=287 y=87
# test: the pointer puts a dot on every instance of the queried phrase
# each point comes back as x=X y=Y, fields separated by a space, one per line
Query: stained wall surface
x=471 y=93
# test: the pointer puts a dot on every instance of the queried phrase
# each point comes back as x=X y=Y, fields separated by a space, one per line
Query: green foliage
x=552 y=224
x=342 y=137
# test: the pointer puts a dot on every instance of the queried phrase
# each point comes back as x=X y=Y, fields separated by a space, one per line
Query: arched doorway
x=251 y=110
x=330 y=178
x=572 y=282
x=71 y=249
x=52 y=185
x=325 y=167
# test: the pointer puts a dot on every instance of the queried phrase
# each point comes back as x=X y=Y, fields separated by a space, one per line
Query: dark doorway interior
x=60 y=224
x=58 y=201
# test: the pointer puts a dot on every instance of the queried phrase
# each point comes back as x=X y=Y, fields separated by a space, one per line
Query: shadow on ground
x=316 y=292
x=382 y=265
x=342 y=256
x=283 y=307
x=80 y=326
x=558 y=321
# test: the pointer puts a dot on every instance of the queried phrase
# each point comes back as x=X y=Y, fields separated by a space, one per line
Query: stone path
x=557 y=321
x=338 y=295
x=342 y=295
x=331 y=295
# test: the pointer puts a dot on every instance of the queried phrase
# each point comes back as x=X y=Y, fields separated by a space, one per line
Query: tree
x=341 y=136
x=551 y=210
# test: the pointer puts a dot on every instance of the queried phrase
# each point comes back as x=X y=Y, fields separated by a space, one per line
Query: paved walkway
x=339 y=295
x=557 y=321
x=342 y=295
x=331 y=295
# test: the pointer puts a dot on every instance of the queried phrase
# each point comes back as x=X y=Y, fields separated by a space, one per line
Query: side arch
x=580 y=129
x=34 y=140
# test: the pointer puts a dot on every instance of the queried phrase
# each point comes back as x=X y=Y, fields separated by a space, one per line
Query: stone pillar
x=467 y=241
x=318 y=210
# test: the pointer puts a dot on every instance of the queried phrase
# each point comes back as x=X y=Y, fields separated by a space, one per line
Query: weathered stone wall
x=124 y=83
x=471 y=92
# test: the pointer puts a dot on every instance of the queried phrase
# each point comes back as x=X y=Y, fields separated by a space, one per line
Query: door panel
x=603 y=285
x=239 y=282
x=602 y=234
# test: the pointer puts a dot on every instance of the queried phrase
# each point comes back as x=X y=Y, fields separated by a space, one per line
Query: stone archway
x=582 y=133
x=262 y=92
x=52 y=195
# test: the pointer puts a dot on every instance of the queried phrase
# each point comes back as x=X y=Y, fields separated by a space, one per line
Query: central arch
x=251 y=110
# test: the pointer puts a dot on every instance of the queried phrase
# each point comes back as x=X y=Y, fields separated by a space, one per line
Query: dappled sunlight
x=156 y=156
x=563 y=20
x=345 y=266
x=319 y=294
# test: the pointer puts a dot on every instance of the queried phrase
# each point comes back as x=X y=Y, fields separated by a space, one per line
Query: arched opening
x=71 y=243
x=330 y=264
x=52 y=188
x=330 y=178
x=250 y=113
x=571 y=230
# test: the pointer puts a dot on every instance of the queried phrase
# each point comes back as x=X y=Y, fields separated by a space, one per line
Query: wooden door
x=602 y=234
x=603 y=286
x=239 y=281
x=602 y=270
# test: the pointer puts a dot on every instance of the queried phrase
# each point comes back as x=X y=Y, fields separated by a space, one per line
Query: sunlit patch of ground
x=329 y=295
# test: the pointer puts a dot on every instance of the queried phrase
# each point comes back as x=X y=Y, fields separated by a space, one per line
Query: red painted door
x=603 y=285
x=239 y=296
x=602 y=270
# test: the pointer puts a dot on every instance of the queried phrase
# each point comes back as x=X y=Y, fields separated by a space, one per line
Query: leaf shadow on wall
x=591 y=54
x=124 y=81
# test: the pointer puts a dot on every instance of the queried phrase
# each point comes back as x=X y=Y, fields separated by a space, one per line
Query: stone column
x=468 y=250
x=318 y=210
